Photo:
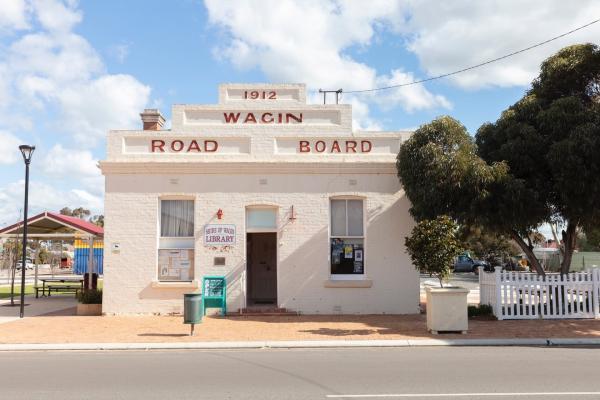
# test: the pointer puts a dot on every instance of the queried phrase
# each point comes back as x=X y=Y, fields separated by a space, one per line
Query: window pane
x=355 y=218
x=177 y=218
x=264 y=218
x=175 y=265
x=347 y=256
x=338 y=217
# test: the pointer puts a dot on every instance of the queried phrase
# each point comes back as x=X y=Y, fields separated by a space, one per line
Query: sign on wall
x=219 y=234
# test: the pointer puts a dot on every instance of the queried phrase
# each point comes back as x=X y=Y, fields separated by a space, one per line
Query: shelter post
x=90 y=263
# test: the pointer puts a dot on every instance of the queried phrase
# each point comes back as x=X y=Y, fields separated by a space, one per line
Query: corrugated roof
x=63 y=221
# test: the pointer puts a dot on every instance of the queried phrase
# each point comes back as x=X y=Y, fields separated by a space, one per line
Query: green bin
x=192 y=309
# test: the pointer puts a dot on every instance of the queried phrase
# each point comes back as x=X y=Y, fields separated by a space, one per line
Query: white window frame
x=345 y=277
x=159 y=237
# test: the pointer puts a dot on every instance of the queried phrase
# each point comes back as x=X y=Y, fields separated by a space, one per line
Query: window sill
x=345 y=283
x=176 y=285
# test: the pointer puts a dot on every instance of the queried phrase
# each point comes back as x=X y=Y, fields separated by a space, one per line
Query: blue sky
x=71 y=70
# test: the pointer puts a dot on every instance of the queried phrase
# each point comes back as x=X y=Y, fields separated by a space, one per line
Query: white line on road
x=419 y=395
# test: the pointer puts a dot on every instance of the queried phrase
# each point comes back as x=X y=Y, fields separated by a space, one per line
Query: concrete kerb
x=311 y=344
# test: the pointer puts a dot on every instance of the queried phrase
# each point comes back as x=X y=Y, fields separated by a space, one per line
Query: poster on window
x=358 y=255
x=175 y=265
x=219 y=235
x=348 y=251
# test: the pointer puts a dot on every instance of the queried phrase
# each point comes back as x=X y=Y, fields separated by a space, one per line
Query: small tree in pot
x=433 y=245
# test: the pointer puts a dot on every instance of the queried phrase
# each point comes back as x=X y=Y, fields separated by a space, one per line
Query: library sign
x=219 y=234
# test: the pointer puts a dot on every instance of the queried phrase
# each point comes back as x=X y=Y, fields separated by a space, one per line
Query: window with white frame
x=176 y=240
x=347 y=237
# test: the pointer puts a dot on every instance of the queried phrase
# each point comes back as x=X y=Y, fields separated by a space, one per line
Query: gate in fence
x=519 y=295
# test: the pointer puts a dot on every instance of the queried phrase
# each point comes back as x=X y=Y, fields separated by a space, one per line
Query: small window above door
x=261 y=219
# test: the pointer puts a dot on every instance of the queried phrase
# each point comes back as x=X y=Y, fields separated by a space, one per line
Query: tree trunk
x=528 y=250
x=555 y=235
x=569 y=238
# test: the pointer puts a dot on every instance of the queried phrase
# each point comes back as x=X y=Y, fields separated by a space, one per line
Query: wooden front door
x=262 y=268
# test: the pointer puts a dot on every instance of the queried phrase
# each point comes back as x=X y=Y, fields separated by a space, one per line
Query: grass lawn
x=5 y=290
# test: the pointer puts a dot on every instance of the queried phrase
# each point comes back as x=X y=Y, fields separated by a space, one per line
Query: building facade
x=284 y=199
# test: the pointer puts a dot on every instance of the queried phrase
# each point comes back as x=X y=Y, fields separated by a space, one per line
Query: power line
x=477 y=65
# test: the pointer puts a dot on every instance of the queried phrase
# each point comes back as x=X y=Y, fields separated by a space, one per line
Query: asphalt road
x=410 y=373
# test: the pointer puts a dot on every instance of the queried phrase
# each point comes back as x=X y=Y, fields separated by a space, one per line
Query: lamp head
x=27 y=152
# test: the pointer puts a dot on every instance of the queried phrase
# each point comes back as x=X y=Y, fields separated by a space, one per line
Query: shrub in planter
x=93 y=296
x=433 y=245
x=482 y=310
x=90 y=302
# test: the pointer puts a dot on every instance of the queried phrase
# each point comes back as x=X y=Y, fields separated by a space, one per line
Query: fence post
x=595 y=290
x=498 y=289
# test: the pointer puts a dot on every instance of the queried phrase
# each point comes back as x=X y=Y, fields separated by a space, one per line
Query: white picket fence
x=520 y=295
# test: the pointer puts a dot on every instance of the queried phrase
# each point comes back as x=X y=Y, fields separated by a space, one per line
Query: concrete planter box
x=447 y=310
x=89 y=309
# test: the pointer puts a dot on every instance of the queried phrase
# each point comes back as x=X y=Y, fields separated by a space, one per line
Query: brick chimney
x=152 y=119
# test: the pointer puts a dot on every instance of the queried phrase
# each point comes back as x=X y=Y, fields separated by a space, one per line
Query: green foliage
x=78 y=212
x=98 y=220
x=43 y=256
x=481 y=309
x=90 y=296
x=537 y=163
x=589 y=239
x=484 y=243
x=433 y=245
x=550 y=141
x=441 y=172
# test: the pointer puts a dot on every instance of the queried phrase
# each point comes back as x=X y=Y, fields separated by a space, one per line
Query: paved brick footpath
x=63 y=327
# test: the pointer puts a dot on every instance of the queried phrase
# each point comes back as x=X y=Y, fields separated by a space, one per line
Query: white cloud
x=57 y=16
x=70 y=164
x=305 y=41
x=56 y=69
x=53 y=80
x=42 y=197
x=120 y=51
x=461 y=33
x=109 y=102
x=9 y=148
x=13 y=15
x=411 y=98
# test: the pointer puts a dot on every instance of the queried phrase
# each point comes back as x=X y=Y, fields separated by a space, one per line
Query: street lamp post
x=27 y=152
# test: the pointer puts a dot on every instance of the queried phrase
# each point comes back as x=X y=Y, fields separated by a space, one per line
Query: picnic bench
x=64 y=285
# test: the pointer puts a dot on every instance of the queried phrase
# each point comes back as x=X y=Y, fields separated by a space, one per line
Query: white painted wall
x=234 y=180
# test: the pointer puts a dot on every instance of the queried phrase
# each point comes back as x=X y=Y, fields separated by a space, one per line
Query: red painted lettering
x=290 y=116
x=365 y=146
x=213 y=146
x=351 y=145
x=231 y=118
x=250 y=119
x=176 y=145
x=265 y=120
x=320 y=146
x=194 y=146
x=335 y=147
x=158 y=145
x=304 y=146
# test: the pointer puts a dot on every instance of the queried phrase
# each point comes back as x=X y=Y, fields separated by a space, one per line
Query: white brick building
x=282 y=198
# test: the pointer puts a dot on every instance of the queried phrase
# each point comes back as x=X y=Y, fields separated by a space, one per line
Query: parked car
x=464 y=263
x=28 y=265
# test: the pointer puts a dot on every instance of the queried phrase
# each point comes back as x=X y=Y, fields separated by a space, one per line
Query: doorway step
x=256 y=310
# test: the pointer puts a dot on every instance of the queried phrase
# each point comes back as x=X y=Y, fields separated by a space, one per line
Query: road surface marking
x=418 y=395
